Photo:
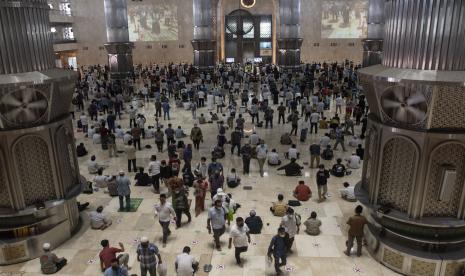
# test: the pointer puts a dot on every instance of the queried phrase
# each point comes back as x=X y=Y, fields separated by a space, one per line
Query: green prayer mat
x=135 y=203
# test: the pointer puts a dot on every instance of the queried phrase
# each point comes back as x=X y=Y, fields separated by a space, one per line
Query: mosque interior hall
x=232 y=137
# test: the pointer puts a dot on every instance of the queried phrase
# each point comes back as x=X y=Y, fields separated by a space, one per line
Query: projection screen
x=344 y=19
x=153 y=20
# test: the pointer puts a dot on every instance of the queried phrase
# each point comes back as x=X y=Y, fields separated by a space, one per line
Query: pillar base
x=288 y=56
x=120 y=59
x=372 y=52
x=204 y=54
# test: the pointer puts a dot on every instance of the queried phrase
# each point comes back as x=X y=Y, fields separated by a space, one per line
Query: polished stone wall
x=91 y=35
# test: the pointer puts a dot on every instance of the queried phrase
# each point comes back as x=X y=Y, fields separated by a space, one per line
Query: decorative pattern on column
x=119 y=47
x=204 y=42
x=37 y=186
x=289 y=40
x=414 y=192
x=373 y=44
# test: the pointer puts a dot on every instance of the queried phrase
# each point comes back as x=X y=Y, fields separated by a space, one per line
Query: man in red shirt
x=302 y=192
x=109 y=253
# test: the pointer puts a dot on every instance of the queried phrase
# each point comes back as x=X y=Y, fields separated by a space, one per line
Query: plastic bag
x=162 y=269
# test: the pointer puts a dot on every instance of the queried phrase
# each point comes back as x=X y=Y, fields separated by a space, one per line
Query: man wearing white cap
x=147 y=254
x=216 y=221
x=122 y=186
x=49 y=262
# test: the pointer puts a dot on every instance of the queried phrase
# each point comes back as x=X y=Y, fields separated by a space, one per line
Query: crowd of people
x=110 y=114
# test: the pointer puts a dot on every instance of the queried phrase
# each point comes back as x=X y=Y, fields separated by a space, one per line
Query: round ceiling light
x=248 y=3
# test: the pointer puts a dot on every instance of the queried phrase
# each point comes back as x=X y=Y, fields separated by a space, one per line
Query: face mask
x=289 y=216
x=282 y=235
x=240 y=225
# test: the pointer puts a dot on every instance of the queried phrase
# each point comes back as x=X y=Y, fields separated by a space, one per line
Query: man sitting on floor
x=254 y=223
x=302 y=192
x=292 y=169
x=98 y=220
x=279 y=208
x=338 y=169
x=348 y=192
x=49 y=262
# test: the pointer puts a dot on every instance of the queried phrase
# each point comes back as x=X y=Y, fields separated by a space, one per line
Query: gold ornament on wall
x=248 y=3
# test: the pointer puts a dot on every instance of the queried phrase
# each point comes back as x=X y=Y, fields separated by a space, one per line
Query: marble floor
x=313 y=255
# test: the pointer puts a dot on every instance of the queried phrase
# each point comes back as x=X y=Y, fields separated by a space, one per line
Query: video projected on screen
x=344 y=19
x=153 y=22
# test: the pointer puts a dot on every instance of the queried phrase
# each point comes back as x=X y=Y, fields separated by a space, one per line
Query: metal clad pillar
x=119 y=47
x=204 y=42
x=413 y=179
x=289 y=40
x=39 y=172
x=373 y=44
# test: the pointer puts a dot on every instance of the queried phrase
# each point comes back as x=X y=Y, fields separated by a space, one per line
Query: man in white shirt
x=185 y=264
x=98 y=220
x=273 y=158
x=150 y=132
x=101 y=181
x=239 y=235
x=96 y=138
x=93 y=166
x=291 y=224
x=325 y=140
x=84 y=123
x=154 y=172
x=348 y=192
x=293 y=152
x=262 y=151
x=254 y=139
x=314 y=120
x=354 y=141
x=339 y=102
x=353 y=161
x=119 y=132
x=165 y=211
x=127 y=137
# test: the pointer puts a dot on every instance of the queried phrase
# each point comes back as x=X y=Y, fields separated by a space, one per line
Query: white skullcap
x=144 y=239
x=46 y=246
x=219 y=191
x=121 y=172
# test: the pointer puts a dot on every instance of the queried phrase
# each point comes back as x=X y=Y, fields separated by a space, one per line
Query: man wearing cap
x=49 y=262
x=216 y=221
x=147 y=254
x=122 y=186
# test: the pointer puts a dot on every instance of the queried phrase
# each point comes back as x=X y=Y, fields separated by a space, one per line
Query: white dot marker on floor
x=289 y=268
x=220 y=267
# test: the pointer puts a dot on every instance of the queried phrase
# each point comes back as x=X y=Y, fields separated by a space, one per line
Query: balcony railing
x=61 y=12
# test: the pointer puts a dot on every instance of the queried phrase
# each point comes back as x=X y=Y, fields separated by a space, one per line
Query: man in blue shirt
x=278 y=249
x=115 y=269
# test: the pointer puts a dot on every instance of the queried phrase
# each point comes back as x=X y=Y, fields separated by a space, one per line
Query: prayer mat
x=135 y=203
x=247 y=187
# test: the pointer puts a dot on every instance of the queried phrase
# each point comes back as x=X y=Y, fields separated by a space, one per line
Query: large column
x=289 y=40
x=39 y=172
x=204 y=42
x=373 y=44
x=119 y=47
x=414 y=165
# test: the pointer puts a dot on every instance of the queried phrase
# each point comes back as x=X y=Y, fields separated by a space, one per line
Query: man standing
x=339 y=138
x=109 y=253
x=281 y=112
x=159 y=139
x=321 y=181
x=154 y=172
x=216 y=221
x=185 y=264
x=246 y=152
x=181 y=205
x=291 y=224
x=294 y=118
x=196 y=136
x=314 y=120
x=236 y=136
x=315 y=151
x=122 y=186
x=278 y=249
x=147 y=254
x=239 y=234
x=262 y=151
x=136 y=133
x=165 y=211
x=269 y=117
x=169 y=131
x=356 y=224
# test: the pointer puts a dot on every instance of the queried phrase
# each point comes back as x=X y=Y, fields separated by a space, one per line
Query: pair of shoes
x=218 y=248
x=347 y=253
x=163 y=245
